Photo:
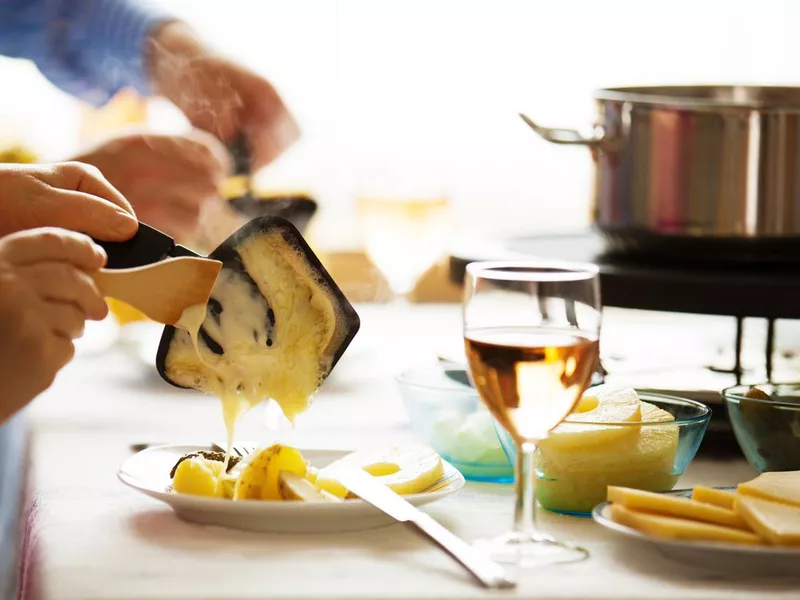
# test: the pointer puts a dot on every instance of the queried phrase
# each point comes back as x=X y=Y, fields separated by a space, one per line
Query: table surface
x=95 y=538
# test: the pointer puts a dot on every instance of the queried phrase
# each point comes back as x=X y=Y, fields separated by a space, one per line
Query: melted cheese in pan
x=277 y=348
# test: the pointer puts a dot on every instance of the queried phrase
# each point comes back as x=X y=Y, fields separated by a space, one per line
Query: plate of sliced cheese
x=751 y=528
x=283 y=489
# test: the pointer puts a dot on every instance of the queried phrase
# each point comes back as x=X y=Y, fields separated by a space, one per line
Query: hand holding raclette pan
x=141 y=272
x=283 y=295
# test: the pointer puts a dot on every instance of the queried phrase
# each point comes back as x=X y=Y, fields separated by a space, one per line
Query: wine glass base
x=528 y=551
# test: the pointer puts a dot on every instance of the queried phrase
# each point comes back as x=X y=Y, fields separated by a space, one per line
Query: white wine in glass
x=531 y=335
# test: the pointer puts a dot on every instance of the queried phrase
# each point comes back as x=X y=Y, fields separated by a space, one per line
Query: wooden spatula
x=164 y=289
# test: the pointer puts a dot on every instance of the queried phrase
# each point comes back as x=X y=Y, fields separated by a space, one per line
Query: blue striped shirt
x=88 y=48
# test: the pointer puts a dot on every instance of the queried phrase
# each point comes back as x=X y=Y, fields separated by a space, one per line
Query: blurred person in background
x=92 y=49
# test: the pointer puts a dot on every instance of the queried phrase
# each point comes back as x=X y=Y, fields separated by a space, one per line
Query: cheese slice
x=778 y=523
x=679 y=529
x=675 y=507
x=721 y=498
x=778 y=486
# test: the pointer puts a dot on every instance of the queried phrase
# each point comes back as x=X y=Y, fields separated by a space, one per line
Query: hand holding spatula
x=153 y=274
x=161 y=290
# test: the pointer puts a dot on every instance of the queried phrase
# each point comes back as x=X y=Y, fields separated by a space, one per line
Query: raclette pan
x=347 y=320
x=150 y=245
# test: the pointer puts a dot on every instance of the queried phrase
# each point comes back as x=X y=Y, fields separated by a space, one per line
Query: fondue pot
x=697 y=172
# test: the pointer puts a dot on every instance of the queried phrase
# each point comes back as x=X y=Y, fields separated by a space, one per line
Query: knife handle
x=486 y=571
x=149 y=245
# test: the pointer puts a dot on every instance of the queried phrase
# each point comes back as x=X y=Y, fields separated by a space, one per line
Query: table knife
x=365 y=486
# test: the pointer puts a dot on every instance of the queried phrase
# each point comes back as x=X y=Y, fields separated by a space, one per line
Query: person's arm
x=94 y=48
x=219 y=95
x=88 y=48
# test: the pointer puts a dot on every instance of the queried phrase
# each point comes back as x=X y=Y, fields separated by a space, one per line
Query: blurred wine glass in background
x=404 y=217
x=404 y=237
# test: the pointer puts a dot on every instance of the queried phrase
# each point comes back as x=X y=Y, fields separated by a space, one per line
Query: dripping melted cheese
x=276 y=339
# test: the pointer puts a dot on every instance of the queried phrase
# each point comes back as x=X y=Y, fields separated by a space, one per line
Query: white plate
x=148 y=472
x=739 y=559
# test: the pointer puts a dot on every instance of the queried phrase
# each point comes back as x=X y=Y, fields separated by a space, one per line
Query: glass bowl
x=450 y=417
x=768 y=431
x=577 y=463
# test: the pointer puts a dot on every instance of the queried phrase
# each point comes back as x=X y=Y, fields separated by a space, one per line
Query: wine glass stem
x=525 y=510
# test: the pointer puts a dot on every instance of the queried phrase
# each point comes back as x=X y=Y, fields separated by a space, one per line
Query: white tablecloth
x=91 y=537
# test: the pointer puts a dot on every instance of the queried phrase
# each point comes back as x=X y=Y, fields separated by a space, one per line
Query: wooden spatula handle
x=116 y=284
x=161 y=290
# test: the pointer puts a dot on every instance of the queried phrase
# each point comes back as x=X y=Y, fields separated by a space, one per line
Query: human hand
x=220 y=96
x=68 y=195
x=46 y=296
x=167 y=178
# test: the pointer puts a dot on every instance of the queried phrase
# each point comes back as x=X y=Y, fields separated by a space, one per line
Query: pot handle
x=565 y=136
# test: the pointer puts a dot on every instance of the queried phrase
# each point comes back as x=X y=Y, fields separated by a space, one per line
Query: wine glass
x=404 y=235
x=403 y=210
x=531 y=334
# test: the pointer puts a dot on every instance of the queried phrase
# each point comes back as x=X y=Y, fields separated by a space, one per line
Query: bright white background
x=431 y=89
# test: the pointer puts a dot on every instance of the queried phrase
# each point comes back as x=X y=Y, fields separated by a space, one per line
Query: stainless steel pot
x=700 y=172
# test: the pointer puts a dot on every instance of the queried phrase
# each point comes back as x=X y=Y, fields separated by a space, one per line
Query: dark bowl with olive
x=295 y=206
x=766 y=422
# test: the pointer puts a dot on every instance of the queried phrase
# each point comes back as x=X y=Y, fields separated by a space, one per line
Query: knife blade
x=365 y=486
x=149 y=245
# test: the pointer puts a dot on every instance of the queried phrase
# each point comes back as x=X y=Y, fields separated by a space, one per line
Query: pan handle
x=567 y=136
x=149 y=245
